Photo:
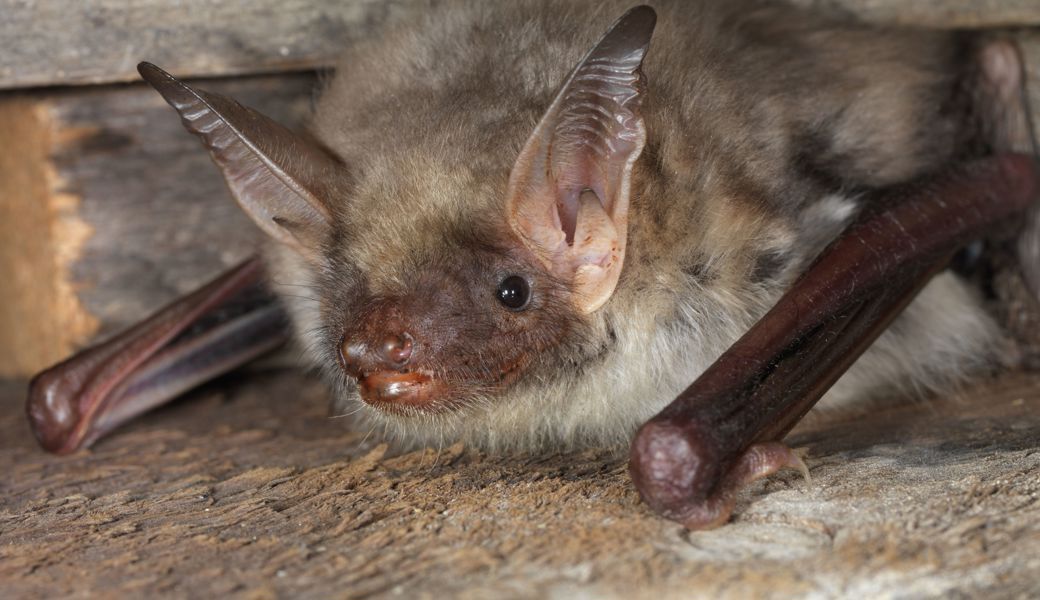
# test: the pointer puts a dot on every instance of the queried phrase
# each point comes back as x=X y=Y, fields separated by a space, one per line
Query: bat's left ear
x=569 y=189
x=282 y=180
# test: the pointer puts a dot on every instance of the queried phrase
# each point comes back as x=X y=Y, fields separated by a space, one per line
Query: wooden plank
x=936 y=13
x=36 y=234
x=250 y=491
x=109 y=210
x=1029 y=43
x=57 y=42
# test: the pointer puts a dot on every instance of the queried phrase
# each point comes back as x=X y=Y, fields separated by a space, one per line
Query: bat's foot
x=758 y=461
x=674 y=475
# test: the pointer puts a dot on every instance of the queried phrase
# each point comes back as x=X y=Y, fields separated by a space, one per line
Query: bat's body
x=766 y=133
x=499 y=247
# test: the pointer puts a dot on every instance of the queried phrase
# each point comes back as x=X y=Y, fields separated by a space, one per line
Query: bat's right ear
x=280 y=179
x=569 y=189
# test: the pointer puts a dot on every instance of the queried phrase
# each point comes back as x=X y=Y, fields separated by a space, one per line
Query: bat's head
x=436 y=288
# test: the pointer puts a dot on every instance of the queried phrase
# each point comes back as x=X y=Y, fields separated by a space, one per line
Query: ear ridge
x=603 y=94
x=588 y=140
x=277 y=177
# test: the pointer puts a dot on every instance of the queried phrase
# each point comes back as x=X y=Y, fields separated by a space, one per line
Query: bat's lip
x=397 y=391
x=420 y=392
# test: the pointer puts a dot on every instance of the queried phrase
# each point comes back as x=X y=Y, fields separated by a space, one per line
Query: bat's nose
x=392 y=352
x=386 y=371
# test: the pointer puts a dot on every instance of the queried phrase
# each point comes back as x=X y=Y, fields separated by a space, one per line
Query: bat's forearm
x=761 y=387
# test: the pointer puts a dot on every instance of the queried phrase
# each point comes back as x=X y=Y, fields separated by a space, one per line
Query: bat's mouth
x=413 y=392
x=403 y=392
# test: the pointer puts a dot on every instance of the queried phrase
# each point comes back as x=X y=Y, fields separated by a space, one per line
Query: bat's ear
x=569 y=189
x=280 y=179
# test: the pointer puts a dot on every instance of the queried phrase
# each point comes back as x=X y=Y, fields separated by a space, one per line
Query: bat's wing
x=210 y=331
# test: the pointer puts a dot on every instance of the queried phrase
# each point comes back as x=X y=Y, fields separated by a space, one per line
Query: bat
x=515 y=230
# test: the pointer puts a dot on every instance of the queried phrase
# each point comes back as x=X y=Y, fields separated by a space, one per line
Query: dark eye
x=513 y=292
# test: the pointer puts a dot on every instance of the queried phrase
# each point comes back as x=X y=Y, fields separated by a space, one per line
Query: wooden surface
x=937 y=13
x=248 y=489
x=39 y=309
x=1029 y=44
x=58 y=42
x=61 y=42
x=109 y=209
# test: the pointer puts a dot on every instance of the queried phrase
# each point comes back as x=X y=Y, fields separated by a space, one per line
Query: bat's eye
x=513 y=292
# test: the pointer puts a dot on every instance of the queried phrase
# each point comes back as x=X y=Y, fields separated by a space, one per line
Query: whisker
x=348 y=414
x=299 y=285
x=370 y=431
x=284 y=295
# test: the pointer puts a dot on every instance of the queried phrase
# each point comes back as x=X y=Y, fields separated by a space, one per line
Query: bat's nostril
x=390 y=352
x=397 y=348
x=351 y=356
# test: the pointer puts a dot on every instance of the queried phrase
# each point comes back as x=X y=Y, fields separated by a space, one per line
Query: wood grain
x=112 y=210
x=57 y=42
x=248 y=490
x=1029 y=44
x=936 y=13
x=39 y=236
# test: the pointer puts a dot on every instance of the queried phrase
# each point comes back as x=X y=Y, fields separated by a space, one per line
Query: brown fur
x=767 y=129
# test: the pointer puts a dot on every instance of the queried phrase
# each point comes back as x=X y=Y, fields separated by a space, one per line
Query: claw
x=758 y=461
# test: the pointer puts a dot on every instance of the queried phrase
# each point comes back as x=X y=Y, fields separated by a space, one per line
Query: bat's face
x=424 y=332
x=445 y=269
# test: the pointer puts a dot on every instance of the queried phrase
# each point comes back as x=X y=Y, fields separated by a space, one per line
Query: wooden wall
x=63 y=42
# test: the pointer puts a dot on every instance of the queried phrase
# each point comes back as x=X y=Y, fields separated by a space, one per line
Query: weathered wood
x=250 y=490
x=108 y=210
x=936 y=13
x=57 y=42
x=38 y=306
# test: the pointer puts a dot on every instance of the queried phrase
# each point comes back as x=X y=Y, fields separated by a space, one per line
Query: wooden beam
x=33 y=223
x=945 y=14
x=250 y=490
x=57 y=42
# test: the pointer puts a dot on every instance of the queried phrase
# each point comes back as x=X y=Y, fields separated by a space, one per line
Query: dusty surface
x=248 y=488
